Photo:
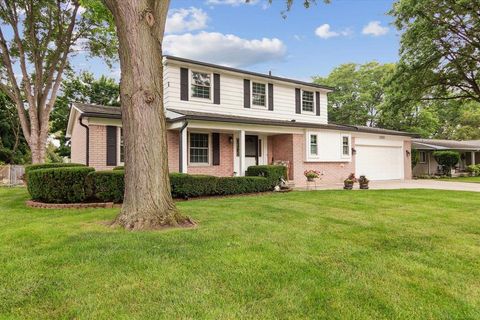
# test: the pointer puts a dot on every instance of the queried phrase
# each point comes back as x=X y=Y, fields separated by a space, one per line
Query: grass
x=462 y=179
x=396 y=254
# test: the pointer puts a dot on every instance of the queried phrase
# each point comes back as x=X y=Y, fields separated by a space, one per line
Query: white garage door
x=379 y=162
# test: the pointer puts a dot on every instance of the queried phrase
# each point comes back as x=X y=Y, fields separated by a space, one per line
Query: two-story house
x=222 y=120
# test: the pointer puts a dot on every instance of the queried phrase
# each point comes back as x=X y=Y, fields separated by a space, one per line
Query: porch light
x=408 y=153
x=354 y=151
x=230 y=139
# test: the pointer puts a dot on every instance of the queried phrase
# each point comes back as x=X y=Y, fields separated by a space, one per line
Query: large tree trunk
x=148 y=203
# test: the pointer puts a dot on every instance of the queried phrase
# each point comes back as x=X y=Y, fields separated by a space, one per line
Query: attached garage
x=379 y=159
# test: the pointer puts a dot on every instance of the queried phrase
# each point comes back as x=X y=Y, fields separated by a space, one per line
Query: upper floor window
x=258 y=94
x=199 y=148
x=346 y=145
x=307 y=101
x=201 y=85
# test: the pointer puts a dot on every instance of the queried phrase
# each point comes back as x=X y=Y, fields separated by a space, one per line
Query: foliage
x=474 y=169
x=273 y=173
x=59 y=185
x=13 y=147
x=39 y=166
x=107 y=186
x=37 y=39
x=312 y=174
x=447 y=159
x=119 y=168
x=415 y=157
x=359 y=92
x=82 y=88
x=363 y=180
x=439 y=48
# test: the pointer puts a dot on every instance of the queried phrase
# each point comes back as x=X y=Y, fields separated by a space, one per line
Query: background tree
x=82 y=88
x=39 y=41
x=359 y=92
x=13 y=147
x=440 y=48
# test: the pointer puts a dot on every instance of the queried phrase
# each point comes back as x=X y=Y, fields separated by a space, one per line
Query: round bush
x=107 y=186
x=59 y=185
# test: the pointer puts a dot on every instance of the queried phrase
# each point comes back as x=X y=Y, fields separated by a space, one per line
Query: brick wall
x=407 y=146
x=98 y=147
x=225 y=169
x=173 y=152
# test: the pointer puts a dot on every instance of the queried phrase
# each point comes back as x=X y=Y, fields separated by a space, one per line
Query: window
x=313 y=145
x=122 y=147
x=307 y=101
x=258 y=94
x=422 y=156
x=199 y=148
x=345 y=145
x=201 y=83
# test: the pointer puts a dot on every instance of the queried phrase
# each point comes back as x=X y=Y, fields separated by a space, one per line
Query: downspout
x=88 y=139
x=180 y=147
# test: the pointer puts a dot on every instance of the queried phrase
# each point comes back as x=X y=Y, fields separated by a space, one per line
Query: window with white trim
x=201 y=85
x=307 y=101
x=346 y=146
x=313 y=145
x=259 y=94
x=422 y=157
x=199 y=148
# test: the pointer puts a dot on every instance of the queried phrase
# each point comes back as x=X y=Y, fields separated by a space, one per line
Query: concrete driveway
x=410 y=184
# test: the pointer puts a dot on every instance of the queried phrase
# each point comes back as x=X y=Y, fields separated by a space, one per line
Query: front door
x=251 y=150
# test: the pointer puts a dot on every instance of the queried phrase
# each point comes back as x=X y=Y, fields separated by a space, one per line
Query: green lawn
x=462 y=179
x=406 y=254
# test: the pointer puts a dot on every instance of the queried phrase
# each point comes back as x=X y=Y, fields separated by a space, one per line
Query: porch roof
x=438 y=144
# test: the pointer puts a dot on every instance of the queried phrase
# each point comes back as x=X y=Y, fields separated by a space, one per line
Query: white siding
x=330 y=146
x=231 y=97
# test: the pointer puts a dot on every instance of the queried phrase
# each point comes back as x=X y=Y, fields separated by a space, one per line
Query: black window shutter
x=216 y=148
x=216 y=88
x=111 y=146
x=298 y=107
x=184 y=84
x=317 y=102
x=246 y=93
x=270 y=96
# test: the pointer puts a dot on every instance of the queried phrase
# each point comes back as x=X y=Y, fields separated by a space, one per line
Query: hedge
x=107 y=186
x=59 y=185
x=272 y=173
x=119 y=168
x=39 y=166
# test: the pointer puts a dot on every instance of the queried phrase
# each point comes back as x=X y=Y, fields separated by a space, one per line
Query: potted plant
x=348 y=183
x=363 y=181
x=311 y=175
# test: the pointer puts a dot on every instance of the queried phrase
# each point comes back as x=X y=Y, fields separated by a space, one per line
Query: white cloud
x=186 y=19
x=230 y=2
x=374 y=28
x=225 y=49
x=325 y=32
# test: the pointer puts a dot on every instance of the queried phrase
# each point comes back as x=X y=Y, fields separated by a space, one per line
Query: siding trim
x=317 y=103
x=216 y=149
x=298 y=101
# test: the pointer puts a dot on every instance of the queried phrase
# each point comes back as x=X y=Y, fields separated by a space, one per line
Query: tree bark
x=148 y=203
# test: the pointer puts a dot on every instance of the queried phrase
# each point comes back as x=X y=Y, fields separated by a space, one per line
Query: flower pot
x=348 y=186
x=364 y=186
x=310 y=179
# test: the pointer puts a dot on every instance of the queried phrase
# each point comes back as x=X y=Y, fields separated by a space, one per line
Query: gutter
x=180 y=147
x=88 y=139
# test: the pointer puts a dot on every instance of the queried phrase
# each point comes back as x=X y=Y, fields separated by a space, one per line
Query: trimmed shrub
x=39 y=166
x=119 y=168
x=107 y=186
x=186 y=185
x=239 y=185
x=447 y=159
x=474 y=169
x=272 y=173
x=59 y=185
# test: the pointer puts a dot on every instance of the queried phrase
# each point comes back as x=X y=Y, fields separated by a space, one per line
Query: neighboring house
x=469 y=154
x=222 y=120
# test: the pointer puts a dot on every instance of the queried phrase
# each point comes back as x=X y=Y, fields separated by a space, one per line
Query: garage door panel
x=379 y=162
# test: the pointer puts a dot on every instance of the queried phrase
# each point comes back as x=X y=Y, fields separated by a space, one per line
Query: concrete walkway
x=408 y=184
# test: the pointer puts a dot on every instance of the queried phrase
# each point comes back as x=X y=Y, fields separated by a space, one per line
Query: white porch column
x=473 y=157
x=183 y=150
x=241 y=148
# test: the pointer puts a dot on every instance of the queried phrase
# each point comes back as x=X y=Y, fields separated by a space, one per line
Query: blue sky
x=255 y=36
